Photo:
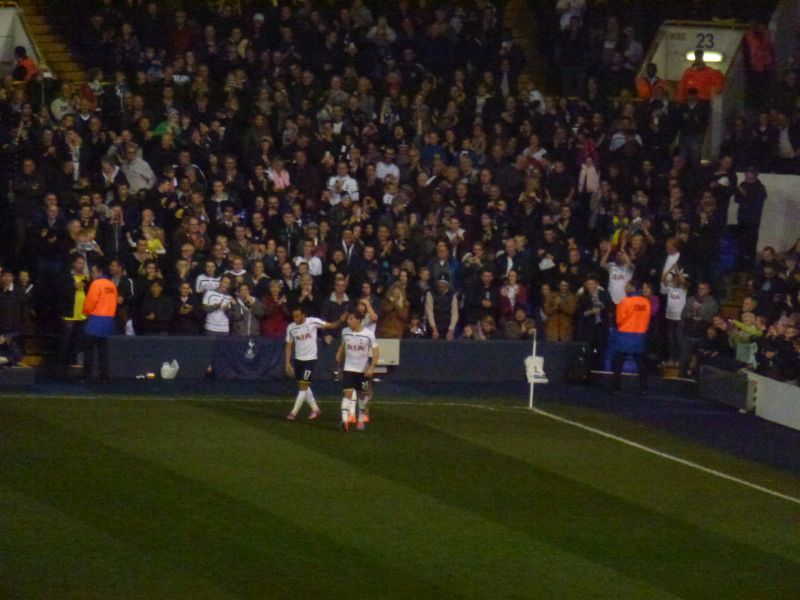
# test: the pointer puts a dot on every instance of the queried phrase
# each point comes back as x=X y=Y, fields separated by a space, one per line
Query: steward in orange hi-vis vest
x=633 y=319
x=100 y=307
x=630 y=338
x=633 y=314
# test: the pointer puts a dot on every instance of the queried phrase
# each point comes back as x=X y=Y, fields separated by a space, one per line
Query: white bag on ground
x=169 y=370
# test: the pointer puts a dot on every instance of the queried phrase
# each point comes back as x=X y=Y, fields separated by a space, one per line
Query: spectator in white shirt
x=342 y=184
x=217 y=306
x=313 y=262
x=64 y=104
x=136 y=170
x=207 y=281
x=671 y=259
x=386 y=166
x=620 y=272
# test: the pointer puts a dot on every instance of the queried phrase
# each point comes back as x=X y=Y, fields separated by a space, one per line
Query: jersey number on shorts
x=307 y=374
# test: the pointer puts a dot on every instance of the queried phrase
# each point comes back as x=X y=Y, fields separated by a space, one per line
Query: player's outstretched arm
x=336 y=324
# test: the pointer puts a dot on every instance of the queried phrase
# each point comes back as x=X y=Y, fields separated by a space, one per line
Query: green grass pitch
x=144 y=498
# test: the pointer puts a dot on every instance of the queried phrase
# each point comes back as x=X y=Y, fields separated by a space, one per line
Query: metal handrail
x=722 y=23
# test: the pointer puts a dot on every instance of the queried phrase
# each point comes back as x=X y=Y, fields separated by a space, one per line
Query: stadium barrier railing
x=775 y=400
x=500 y=361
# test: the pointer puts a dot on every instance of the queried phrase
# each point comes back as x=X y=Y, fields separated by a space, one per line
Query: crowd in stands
x=231 y=164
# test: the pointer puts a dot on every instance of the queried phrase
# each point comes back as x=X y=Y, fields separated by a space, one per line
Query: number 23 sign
x=705 y=41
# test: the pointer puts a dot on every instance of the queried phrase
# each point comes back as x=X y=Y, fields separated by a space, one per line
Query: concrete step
x=69 y=66
x=67 y=71
x=524 y=25
x=56 y=52
x=32 y=360
x=40 y=30
x=77 y=77
x=15 y=377
x=53 y=57
x=49 y=44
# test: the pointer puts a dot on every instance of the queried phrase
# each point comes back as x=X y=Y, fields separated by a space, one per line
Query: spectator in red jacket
x=760 y=63
x=26 y=66
x=276 y=311
x=707 y=81
x=513 y=295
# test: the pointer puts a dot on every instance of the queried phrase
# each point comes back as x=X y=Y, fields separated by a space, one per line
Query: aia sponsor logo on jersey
x=356 y=348
x=302 y=336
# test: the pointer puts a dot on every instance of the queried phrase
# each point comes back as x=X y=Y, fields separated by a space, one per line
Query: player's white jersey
x=305 y=338
x=358 y=346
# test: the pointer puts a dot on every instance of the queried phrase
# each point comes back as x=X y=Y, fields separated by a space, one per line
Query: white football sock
x=311 y=401
x=362 y=408
x=298 y=403
x=345 y=409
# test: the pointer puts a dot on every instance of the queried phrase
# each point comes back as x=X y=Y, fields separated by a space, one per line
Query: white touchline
x=613 y=437
x=499 y=408
x=667 y=456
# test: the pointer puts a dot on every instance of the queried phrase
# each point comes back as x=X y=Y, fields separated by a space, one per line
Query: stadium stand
x=388 y=148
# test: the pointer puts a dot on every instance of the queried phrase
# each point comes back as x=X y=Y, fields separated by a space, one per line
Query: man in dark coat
x=750 y=196
x=13 y=311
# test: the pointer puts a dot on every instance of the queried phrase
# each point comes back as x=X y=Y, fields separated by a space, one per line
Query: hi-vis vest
x=633 y=315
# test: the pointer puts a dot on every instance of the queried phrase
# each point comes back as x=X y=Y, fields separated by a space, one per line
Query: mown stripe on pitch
x=243 y=549
x=529 y=440
x=661 y=550
x=463 y=568
x=50 y=554
x=265 y=418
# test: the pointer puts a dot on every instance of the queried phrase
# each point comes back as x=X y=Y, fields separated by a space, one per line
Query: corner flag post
x=534 y=370
x=532 y=378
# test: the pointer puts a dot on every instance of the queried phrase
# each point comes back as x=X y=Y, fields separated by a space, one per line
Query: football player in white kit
x=370 y=321
x=301 y=357
x=359 y=355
